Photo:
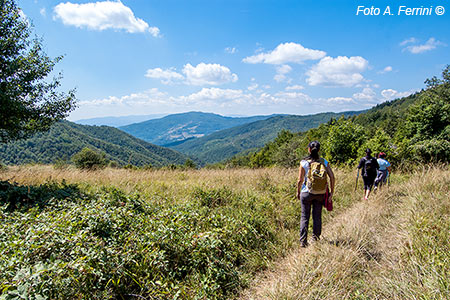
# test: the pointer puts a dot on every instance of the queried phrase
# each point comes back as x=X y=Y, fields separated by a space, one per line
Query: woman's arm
x=332 y=179
x=301 y=179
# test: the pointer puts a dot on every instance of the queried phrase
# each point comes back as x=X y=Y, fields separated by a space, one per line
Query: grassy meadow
x=217 y=234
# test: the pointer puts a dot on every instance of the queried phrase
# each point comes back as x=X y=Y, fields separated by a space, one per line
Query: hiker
x=369 y=166
x=383 y=172
x=311 y=187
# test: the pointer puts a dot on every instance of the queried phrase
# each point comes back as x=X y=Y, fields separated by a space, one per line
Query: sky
x=239 y=57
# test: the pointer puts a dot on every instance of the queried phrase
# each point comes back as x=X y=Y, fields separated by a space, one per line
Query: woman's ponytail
x=314 y=148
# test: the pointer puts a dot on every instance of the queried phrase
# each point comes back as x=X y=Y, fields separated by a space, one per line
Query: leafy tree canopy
x=28 y=102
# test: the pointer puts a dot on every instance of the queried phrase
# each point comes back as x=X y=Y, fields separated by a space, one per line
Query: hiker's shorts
x=368 y=182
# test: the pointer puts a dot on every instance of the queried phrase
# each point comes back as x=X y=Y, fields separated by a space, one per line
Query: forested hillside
x=179 y=127
x=228 y=142
x=412 y=129
x=65 y=139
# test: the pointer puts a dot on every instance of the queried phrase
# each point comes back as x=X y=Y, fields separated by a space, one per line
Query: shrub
x=190 y=164
x=113 y=164
x=89 y=159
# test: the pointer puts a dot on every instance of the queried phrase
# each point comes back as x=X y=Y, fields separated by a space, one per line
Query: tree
x=344 y=140
x=428 y=121
x=29 y=103
x=190 y=164
x=89 y=159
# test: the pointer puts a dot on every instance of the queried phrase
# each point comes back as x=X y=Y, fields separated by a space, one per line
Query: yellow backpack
x=317 y=177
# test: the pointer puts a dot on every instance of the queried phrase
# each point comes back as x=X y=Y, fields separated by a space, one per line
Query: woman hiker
x=383 y=172
x=311 y=187
x=369 y=166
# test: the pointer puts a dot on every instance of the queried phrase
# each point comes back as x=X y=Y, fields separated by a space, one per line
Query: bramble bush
x=60 y=241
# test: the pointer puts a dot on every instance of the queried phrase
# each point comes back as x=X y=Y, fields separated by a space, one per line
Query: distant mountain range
x=64 y=139
x=118 y=121
x=205 y=137
x=176 y=128
x=226 y=143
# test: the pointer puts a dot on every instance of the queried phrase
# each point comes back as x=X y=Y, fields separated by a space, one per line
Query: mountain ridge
x=226 y=143
x=178 y=127
x=65 y=138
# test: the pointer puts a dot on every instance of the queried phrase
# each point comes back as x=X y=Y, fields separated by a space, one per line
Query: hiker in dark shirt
x=369 y=166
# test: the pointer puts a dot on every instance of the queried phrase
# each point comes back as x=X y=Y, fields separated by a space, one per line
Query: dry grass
x=378 y=250
x=129 y=180
x=393 y=247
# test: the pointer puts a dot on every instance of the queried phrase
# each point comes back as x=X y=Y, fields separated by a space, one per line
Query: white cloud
x=43 y=12
x=409 y=41
x=286 y=53
x=208 y=74
x=252 y=87
x=295 y=88
x=390 y=94
x=386 y=70
x=231 y=50
x=340 y=100
x=167 y=76
x=151 y=96
x=279 y=77
x=296 y=97
x=214 y=94
x=366 y=94
x=341 y=71
x=282 y=70
x=101 y=16
x=431 y=44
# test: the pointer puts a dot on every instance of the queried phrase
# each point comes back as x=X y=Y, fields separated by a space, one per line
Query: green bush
x=89 y=159
x=105 y=244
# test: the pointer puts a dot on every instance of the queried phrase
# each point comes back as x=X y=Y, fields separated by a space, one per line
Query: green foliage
x=411 y=129
x=89 y=159
x=344 y=140
x=226 y=143
x=67 y=242
x=434 y=150
x=190 y=164
x=29 y=102
x=64 y=139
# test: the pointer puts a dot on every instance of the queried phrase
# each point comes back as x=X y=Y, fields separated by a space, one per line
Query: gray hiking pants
x=315 y=202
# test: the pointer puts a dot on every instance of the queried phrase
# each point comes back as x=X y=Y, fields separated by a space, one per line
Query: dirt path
x=353 y=246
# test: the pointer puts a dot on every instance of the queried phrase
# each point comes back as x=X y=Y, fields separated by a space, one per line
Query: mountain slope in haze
x=64 y=139
x=179 y=127
x=118 y=121
x=229 y=142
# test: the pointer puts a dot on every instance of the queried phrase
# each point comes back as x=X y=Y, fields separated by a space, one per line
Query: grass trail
x=393 y=247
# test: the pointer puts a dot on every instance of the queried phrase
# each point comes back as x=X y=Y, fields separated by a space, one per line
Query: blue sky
x=136 y=57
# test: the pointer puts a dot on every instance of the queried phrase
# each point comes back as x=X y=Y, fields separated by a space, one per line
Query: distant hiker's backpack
x=317 y=177
x=369 y=167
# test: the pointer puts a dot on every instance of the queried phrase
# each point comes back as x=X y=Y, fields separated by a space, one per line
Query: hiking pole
x=357 y=177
